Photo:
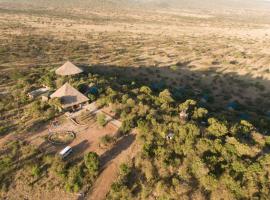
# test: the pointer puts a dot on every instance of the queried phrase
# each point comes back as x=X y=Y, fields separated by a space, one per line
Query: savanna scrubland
x=150 y=60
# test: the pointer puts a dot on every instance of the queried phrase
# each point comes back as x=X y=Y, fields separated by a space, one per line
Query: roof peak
x=68 y=69
x=69 y=95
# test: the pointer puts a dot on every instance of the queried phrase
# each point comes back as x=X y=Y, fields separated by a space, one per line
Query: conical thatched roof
x=69 y=96
x=68 y=69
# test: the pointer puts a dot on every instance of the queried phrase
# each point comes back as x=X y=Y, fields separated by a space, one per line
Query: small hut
x=71 y=99
x=170 y=136
x=68 y=69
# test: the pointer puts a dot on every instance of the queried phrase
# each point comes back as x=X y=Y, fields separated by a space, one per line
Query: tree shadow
x=120 y=145
x=212 y=88
x=80 y=147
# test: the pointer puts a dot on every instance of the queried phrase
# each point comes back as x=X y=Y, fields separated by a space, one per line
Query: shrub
x=75 y=179
x=107 y=139
x=124 y=169
x=35 y=170
x=101 y=119
x=267 y=140
x=91 y=161
x=126 y=126
x=59 y=167
x=199 y=113
x=165 y=96
x=217 y=128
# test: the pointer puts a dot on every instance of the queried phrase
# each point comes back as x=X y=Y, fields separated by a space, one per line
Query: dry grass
x=227 y=59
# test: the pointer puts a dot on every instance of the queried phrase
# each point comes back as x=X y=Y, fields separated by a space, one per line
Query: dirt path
x=104 y=181
x=122 y=151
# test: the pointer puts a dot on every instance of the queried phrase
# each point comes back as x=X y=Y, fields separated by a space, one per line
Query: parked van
x=65 y=152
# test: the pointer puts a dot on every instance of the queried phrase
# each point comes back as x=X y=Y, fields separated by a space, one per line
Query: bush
x=126 y=126
x=59 y=167
x=267 y=140
x=217 y=128
x=35 y=170
x=101 y=119
x=75 y=179
x=106 y=140
x=124 y=169
x=91 y=161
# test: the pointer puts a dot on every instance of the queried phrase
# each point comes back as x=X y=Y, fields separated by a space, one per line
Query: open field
x=211 y=52
x=145 y=61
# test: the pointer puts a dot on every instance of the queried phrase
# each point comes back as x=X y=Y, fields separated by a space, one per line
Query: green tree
x=188 y=105
x=75 y=179
x=165 y=96
x=199 y=113
x=59 y=167
x=126 y=126
x=145 y=90
x=49 y=79
x=217 y=128
x=124 y=169
x=91 y=161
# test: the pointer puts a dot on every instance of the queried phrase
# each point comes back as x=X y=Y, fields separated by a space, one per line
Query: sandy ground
x=87 y=137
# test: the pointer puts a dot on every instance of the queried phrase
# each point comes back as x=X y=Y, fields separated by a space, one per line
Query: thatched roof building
x=68 y=69
x=69 y=96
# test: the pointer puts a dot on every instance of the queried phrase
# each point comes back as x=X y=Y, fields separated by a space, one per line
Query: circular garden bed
x=60 y=138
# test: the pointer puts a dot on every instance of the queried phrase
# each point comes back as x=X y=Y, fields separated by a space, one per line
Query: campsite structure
x=71 y=99
x=68 y=69
x=38 y=92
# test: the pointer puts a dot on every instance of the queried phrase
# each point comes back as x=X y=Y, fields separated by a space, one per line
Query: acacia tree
x=187 y=105
x=217 y=128
x=165 y=97
x=199 y=113
x=145 y=90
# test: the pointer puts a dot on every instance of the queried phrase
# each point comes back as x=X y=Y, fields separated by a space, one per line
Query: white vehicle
x=65 y=152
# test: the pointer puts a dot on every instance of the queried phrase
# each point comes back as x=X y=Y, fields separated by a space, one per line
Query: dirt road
x=122 y=151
